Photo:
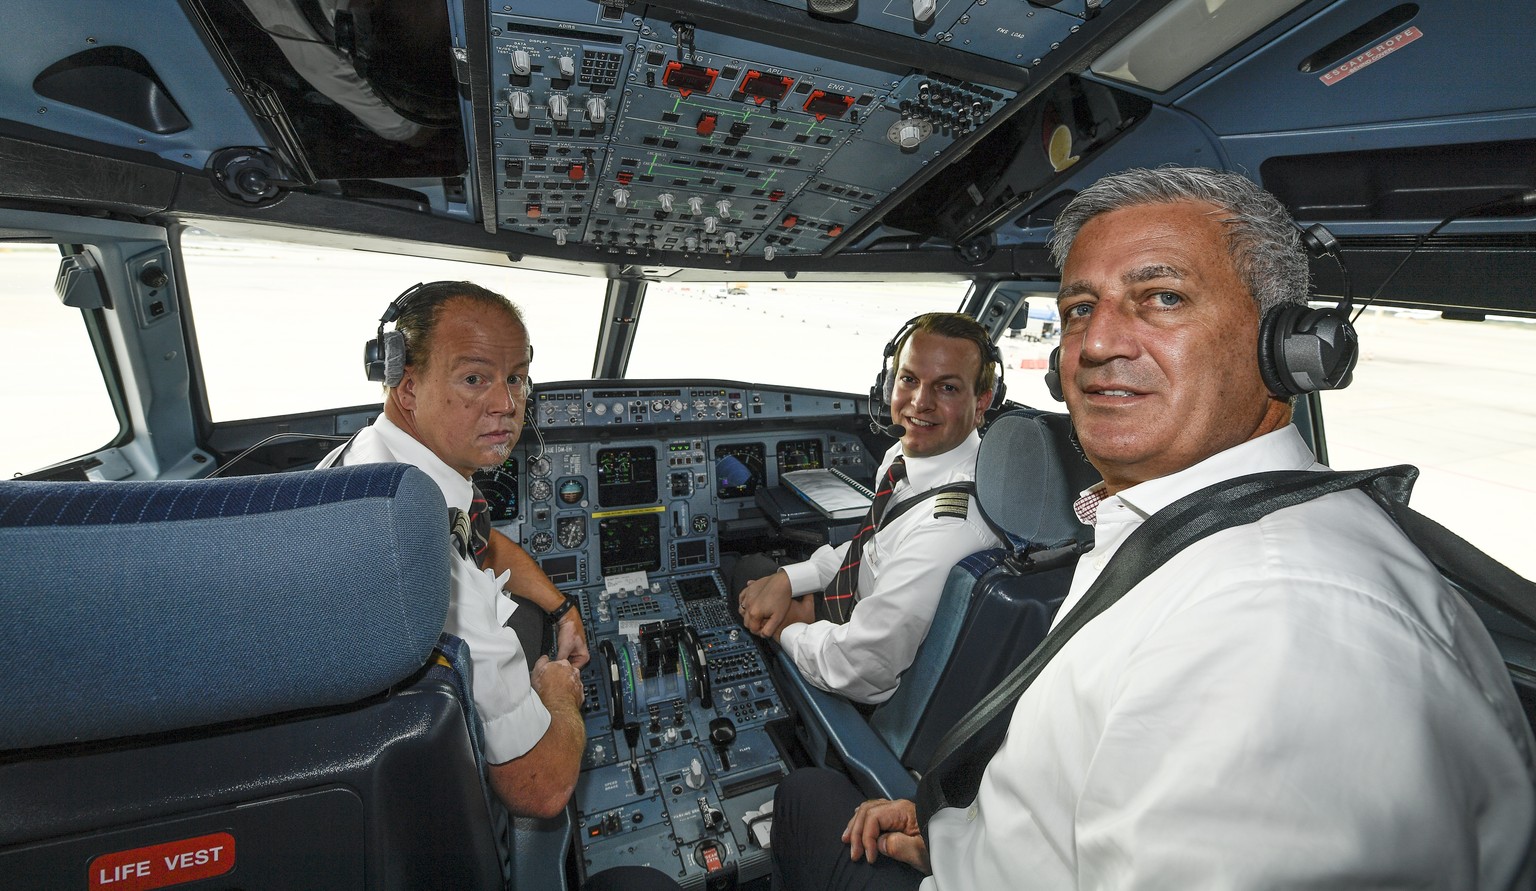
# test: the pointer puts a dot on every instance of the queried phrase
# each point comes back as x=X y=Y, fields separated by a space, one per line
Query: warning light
x=828 y=105
x=790 y=221
x=834 y=230
x=760 y=87
x=534 y=211
x=687 y=78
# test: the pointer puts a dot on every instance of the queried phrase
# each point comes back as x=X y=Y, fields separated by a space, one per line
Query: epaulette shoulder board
x=952 y=504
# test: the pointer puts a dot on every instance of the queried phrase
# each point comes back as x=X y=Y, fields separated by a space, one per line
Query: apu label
x=158 y=866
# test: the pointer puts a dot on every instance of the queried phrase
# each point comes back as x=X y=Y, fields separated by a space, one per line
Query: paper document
x=833 y=493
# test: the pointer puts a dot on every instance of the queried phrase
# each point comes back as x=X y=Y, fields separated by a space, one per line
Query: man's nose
x=506 y=399
x=1108 y=334
x=922 y=398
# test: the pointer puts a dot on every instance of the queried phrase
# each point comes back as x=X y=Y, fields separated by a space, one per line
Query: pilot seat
x=996 y=607
x=239 y=681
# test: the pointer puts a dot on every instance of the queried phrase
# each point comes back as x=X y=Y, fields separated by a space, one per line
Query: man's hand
x=889 y=827
x=557 y=683
x=571 y=639
x=764 y=603
x=801 y=609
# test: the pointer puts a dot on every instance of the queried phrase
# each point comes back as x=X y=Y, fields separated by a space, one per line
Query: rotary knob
x=522 y=63
x=597 y=109
x=519 y=103
x=559 y=107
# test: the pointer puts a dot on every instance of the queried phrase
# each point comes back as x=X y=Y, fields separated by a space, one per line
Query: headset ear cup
x=394 y=358
x=1053 y=376
x=1303 y=350
x=1271 y=332
x=373 y=363
x=999 y=386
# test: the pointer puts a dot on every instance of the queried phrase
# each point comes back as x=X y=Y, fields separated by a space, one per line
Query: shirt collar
x=457 y=491
x=925 y=473
x=1283 y=449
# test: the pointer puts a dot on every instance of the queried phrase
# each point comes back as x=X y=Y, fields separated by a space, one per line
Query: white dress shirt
x=901 y=577
x=514 y=718
x=1297 y=703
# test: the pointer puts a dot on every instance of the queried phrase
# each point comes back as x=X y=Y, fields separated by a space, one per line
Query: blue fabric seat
x=245 y=663
x=996 y=607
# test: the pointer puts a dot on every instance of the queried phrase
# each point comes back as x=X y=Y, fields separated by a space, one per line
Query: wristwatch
x=562 y=609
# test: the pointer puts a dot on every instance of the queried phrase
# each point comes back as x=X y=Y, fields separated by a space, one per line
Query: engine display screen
x=692 y=553
x=799 y=454
x=629 y=544
x=626 y=476
x=562 y=569
x=739 y=469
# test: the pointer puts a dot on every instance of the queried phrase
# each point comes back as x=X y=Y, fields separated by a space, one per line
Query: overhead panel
x=633 y=133
x=1009 y=30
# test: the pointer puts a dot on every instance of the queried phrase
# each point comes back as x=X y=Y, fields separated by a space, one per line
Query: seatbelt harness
x=954 y=773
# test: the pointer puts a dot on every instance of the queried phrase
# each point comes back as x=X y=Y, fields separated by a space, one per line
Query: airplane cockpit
x=716 y=214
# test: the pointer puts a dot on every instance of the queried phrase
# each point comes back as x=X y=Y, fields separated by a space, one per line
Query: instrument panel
x=682 y=724
x=631 y=499
x=623 y=505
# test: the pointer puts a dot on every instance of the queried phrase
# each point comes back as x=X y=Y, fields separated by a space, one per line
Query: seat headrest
x=1028 y=474
x=135 y=608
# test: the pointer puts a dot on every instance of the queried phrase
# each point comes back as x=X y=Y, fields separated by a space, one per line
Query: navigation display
x=629 y=544
x=626 y=476
x=739 y=469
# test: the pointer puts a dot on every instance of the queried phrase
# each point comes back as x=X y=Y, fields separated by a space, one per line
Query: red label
x=171 y=863
x=1374 y=54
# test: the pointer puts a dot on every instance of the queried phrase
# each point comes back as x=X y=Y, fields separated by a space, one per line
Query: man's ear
x=983 y=401
x=405 y=391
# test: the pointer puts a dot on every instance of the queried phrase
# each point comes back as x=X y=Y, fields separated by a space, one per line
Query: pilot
x=453 y=403
x=852 y=617
x=1298 y=702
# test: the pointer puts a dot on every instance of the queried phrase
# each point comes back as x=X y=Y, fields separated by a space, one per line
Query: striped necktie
x=836 y=603
x=472 y=531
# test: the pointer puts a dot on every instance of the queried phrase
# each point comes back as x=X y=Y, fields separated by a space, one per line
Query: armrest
x=838 y=726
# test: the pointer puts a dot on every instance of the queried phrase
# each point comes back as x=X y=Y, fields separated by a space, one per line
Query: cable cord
x=217 y=471
x=1513 y=201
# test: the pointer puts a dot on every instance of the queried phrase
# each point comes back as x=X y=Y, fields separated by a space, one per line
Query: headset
x=385 y=358
x=881 y=393
x=384 y=355
x=1301 y=349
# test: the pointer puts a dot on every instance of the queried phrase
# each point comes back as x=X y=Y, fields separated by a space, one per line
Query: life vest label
x=162 y=865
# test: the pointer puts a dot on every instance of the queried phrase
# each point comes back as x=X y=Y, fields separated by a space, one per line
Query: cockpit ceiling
x=756 y=135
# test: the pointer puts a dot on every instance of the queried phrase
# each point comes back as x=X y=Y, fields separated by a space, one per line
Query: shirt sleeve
x=816 y=573
x=513 y=715
x=864 y=658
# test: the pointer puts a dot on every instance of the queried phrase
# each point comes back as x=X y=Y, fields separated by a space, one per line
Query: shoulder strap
x=1471 y=570
x=954 y=773
x=966 y=486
